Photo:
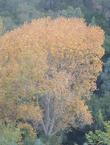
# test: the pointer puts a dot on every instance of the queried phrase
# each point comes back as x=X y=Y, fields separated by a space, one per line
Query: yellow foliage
x=57 y=61
x=7 y=110
x=67 y=43
x=29 y=112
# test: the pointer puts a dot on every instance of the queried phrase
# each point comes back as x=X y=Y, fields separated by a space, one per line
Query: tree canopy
x=48 y=69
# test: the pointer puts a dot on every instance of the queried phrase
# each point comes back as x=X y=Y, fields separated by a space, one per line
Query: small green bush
x=99 y=137
x=9 y=135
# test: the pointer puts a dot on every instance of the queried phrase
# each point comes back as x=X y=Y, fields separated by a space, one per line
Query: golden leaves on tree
x=56 y=62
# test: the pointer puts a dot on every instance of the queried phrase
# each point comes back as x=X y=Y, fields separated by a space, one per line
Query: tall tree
x=49 y=68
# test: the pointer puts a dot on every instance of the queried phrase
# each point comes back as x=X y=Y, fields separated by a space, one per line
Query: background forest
x=14 y=13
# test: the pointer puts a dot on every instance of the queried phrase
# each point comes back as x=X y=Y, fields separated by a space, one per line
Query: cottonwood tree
x=49 y=67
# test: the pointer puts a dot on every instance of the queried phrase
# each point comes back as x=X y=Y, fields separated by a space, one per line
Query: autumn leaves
x=46 y=68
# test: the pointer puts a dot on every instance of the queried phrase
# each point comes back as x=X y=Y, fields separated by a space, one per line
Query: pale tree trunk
x=48 y=123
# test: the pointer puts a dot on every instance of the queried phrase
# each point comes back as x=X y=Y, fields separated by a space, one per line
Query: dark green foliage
x=100 y=107
x=70 y=12
x=105 y=78
x=107 y=44
x=99 y=137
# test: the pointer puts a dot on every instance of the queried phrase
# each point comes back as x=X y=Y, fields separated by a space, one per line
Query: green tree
x=105 y=79
x=71 y=12
x=99 y=137
x=100 y=107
